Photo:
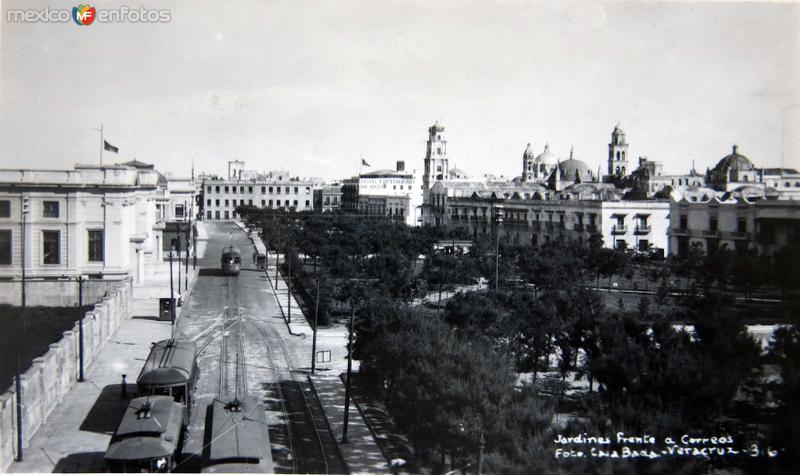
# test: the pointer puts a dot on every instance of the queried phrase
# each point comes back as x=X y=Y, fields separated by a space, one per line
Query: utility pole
x=80 y=327
x=349 y=371
x=314 y=340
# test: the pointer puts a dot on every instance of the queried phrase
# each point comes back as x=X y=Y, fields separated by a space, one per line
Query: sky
x=313 y=86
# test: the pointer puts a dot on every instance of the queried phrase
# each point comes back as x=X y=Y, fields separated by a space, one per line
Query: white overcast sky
x=311 y=86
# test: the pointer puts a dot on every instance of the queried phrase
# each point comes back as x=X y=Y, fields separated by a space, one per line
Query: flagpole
x=101 y=144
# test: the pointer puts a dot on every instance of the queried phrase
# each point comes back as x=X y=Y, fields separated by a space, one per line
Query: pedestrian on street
x=124 y=388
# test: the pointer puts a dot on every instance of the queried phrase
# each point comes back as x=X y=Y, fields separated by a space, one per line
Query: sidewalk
x=76 y=435
x=361 y=453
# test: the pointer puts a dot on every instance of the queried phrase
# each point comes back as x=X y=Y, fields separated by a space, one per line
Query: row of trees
x=450 y=378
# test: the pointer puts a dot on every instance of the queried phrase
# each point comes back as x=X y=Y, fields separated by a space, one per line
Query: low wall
x=55 y=293
x=52 y=375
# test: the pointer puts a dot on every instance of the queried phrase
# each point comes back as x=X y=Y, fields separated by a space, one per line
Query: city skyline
x=312 y=90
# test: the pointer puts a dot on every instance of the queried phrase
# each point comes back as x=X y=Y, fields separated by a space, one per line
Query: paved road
x=237 y=319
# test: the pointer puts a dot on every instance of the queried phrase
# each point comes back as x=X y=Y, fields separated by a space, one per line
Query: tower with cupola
x=618 y=154
x=436 y=162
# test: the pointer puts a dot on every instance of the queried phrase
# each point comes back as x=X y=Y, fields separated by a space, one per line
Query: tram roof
x=146 y=432
x=170 y=363
x=231 y=250
x=238 y=436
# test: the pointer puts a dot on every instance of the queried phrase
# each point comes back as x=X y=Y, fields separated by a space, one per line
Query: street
x=236 y=319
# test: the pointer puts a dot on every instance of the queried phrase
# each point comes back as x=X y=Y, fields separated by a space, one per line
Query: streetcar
x=170 y=370
x=238 y=438
x=147 y=437
x=231 y=260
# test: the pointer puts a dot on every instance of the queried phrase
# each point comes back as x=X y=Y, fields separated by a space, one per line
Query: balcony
x=738 y=234
x=680 y=231
x=641 y=230
x=710 y=233
x=619 y=229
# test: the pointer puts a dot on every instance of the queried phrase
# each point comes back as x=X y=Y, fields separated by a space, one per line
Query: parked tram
x=147 y=437
x=231 y=260
x=238 y=440
x=170 y=370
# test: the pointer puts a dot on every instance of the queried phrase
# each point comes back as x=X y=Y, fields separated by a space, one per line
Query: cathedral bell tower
x=436 y=166
x=618 y=154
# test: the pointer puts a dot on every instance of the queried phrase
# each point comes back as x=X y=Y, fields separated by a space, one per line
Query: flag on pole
x=364 y=162
x=109 y=147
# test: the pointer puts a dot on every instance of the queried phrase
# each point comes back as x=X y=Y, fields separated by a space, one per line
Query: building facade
x=94 y=221
x=734 y=222
x=278 y=190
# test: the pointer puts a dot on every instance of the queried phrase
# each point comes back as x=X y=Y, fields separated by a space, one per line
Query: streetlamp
x=289 y=286
x=314 y=340
x=172 y=289
x=349 y=371
x=186 y=267
x=20 y=332
x=80 y=327
x=499 y=219
x=178 y=253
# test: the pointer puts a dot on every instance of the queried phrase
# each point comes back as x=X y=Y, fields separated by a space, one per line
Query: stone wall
x=53 y=374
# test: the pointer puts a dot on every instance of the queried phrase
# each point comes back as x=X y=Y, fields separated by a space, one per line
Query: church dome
x=529 y=153
x=734 y=161
x=546 y=157
x=573 y=170
x=436 y=127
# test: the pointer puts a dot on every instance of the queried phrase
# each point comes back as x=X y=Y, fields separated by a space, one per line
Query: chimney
x=735 y=149
x=401 y=165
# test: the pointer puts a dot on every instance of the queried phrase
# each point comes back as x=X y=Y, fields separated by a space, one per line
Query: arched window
x=617 y=155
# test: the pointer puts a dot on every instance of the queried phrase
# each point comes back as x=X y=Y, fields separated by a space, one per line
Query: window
x=295 y=203
x=308 y=204
x=278 y=203
x=179 y=211
x=249 y=189
x=216 y=202
x=226 y=203
x=741 y=225
x=208 y=202
x=226 y=189
x=296 y=190
x=620 y=244
x=95 y=245
x=263 y=202
x=227 y=215
x=217 y=188
x=5 y=209
x=270 y=190
x=643 y=245
x=684 y=220
x=208 y=214
x=208 y=188
x=712 y=223
x=270 y=203
x=241 y=189
x=216 y=214
x=5 y=247
x=250 y=202
x=51 y=247
x=50 y=209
